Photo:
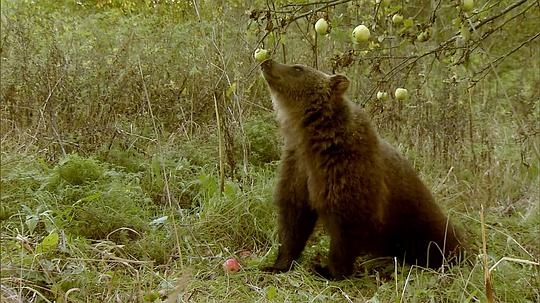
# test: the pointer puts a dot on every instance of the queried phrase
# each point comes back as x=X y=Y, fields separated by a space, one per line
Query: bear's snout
x=267 y=68
x=267 y=63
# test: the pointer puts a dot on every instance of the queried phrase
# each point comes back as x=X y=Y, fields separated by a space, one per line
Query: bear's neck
x=322 y=127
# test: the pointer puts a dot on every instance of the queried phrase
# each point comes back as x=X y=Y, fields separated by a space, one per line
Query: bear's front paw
x=323 y=271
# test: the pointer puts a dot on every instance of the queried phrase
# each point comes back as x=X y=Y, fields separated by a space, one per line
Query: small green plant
x=77 y=170
x=156 y=245
x=263 y=139
x=129 y=160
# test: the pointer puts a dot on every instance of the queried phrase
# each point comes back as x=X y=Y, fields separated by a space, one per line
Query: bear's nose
x=267 y=63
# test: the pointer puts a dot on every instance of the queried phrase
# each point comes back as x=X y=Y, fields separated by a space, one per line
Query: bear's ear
x=339 y=83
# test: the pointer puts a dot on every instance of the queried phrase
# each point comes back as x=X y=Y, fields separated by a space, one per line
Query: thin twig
x=160 y=149
x=502 y=13
x=220 y=148
x=496 y=62
x=196 y=6
x=434 y=13
x=331 y=3
x=45 y=103
x=113 y=259
x=500 y=26
x=487 y=274
x=515 y=260
x=307 y=4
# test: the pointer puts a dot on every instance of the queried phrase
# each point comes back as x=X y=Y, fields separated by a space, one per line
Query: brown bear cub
x=336 y=168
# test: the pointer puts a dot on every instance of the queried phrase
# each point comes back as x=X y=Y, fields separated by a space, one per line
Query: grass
x=112 y=167
x=100 y=236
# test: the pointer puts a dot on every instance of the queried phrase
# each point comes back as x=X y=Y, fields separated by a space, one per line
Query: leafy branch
x=496 y=62
x=502 y=13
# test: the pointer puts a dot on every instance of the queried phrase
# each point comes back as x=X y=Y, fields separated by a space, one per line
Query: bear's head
x=297 y=88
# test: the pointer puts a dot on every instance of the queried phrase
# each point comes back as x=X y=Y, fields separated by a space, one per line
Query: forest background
x=139 y=146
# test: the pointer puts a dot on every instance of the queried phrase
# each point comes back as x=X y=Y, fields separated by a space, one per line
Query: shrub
x=77 y=170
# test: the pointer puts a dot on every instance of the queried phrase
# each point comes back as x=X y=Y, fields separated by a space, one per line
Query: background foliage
x=139 y=147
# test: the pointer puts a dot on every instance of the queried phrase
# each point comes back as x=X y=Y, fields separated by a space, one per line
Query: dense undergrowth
x=139 y=152
x=93 y=230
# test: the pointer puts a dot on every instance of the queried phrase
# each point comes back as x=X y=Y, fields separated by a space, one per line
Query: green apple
x=360 y=33
x=382 y=96
x=467 y=5
x=261 y=54
x=401 y=94
x=321 y=27
x=397 y=19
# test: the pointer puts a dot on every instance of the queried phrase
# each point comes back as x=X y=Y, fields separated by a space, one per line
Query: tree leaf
x=271 y=292
x=49 y=243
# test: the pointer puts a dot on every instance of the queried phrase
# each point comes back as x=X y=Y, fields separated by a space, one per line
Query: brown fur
x=335 y=168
